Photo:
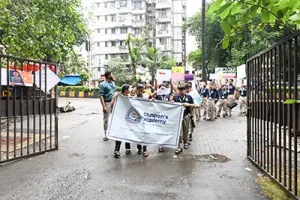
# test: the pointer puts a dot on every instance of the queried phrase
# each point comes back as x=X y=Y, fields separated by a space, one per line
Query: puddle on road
x=204 y=158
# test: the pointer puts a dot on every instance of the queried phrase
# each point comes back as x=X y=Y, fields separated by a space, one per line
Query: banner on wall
x=146 y=122
x=17 y=77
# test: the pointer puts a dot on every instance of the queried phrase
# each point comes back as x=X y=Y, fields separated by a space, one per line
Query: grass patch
x=271 y=189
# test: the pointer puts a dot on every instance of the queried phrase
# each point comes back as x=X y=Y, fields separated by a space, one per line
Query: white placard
x=146 y=122
x=163 y=75
x=164 y=92
x=52 y=79
x=241 y=72
x=3 y=76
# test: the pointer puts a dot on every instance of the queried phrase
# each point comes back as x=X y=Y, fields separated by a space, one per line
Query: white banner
x=196 y=97
x=52 y=79
x=146 y=122
x=163 y=75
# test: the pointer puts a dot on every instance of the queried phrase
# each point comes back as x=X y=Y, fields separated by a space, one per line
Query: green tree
x=255 y=15
x=195 y=58
x=135 y=47
x=155 y=59
x=120 y=70
x=74 y=64
x=41 y=29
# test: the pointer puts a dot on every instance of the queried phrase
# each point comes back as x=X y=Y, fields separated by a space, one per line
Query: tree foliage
x=122 y=73
x=75 y=65
x=195 y=58
x=241 y=16
x=41 y=29
x=155 y=59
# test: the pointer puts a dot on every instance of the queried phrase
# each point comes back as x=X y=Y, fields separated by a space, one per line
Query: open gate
x=28 y=108
x=273 y=123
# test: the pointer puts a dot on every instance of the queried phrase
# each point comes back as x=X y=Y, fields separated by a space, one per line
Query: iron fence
x=28 y=108
x=273 y=123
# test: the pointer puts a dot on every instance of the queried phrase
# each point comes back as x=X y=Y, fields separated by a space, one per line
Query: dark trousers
x=118 y=145
x=140 y=147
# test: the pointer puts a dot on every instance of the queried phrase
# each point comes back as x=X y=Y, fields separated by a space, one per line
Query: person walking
x=107 y=92
x=187 y=102
x=231 y=95
x=223 y=101
x=212 y=97
x=243 y=100
x=125 y=92
x=140 y=94
x=204 y=92
x=192 y=125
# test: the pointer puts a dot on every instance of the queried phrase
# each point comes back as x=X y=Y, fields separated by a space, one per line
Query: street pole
x=204 y=76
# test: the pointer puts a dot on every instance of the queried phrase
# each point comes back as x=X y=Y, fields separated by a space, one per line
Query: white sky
x=193 y=6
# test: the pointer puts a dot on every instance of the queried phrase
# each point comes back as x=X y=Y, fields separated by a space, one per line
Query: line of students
x=180 y=96
x=214 y=100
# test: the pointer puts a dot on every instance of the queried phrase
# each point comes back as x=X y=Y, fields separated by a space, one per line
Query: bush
x=118 y=88
x=78 y=89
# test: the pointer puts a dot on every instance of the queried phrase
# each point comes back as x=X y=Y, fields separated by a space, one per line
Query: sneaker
x=128 y=151
x=117 y=154
x=219 y=115
x=161 y=149
x=186 y=146
x=105 y=139
x=190 y=139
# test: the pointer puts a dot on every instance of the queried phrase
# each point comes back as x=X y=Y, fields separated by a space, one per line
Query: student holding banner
x=188 y=103
x=140 y=94
x=125 y=92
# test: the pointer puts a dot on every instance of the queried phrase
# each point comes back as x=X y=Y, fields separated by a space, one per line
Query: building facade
x=113 y=20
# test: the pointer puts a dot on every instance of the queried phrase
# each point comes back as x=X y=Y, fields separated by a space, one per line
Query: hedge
x=78 y=89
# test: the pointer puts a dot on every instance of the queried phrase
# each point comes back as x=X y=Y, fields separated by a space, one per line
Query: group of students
x=177 y=94
x=216 y=98
x=211 y=96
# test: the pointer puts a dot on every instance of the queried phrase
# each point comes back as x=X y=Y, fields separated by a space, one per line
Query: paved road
x=84 y=168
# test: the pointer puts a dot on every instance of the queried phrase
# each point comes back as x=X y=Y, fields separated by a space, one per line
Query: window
x=113 y=4
x=99 y=69
x=113 y=43
x=137 y=4
x=105 y=5
x=122 y=43
x=162 y=41
x=113 y=31
x=106 y=18
x=106 y=45
x=137 y=31
x=138 y=18
x=162 y=13
x=123 y=4
x=98 y=18
x=163 y=26
x=162 y=1
x=106 y=56
x=122 y=17
x=98 y=5
x=98 y=30
x=106 y=31
x=113 y=18
x=98 y=44
x=124 y=30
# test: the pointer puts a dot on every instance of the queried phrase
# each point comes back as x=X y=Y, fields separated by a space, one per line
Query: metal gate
x=273 y=123
x=28 y=113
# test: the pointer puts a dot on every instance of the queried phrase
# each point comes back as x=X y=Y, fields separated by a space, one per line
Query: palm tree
x=155 y=59
x=74 y=64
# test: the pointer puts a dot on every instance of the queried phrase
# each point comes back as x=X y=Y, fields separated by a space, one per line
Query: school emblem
x=132 y=116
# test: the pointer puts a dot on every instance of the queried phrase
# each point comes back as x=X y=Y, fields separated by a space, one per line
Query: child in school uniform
x=211 y=110
x=188 y=103
x=223 y=101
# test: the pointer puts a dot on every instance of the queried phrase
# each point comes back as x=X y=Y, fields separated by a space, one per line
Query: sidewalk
x=84 y=167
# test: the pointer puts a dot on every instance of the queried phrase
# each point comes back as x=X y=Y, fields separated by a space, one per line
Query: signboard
x=225 y=72
x=146 y=122
x=52 y=79
x=17 y=77
x=241 y=72
x=163 y=75
x=177 y=73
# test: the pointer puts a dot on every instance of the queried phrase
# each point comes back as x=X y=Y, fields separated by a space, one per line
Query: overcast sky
x=193 y=6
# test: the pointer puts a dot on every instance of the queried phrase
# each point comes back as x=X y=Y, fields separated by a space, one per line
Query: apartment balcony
x=138 y=10
x=163 y=33
x=161 y=4
x=110 y=37
x=138 y=23
x=166 y=18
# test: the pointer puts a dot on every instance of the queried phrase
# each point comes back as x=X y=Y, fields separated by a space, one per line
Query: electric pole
x=204 y=76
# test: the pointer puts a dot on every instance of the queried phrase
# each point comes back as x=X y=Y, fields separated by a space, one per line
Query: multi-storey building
x=114 y=19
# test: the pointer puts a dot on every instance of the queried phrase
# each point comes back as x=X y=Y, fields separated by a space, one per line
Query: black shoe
x=218 y=115
x=128 y=151
x=190 y=139
x=140 y=152
x=117 y=154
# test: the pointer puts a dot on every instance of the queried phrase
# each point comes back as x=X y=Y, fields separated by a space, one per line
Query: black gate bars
x=28 y=108
x=273 y=123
